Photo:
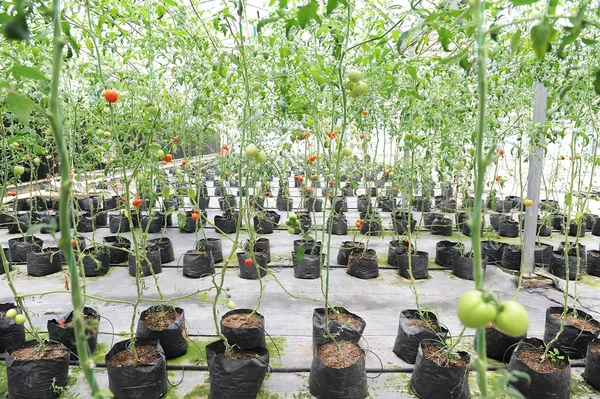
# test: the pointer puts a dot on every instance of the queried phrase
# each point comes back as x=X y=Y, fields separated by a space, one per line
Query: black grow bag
x=245 y=336
x=141 y=381
x=166 y=249
x=573 y=340
x=542 y=254
x=263 y=225
x=235 y=378
x=212 y=245
x=493 y=251
x=338 y=383
x=432 y=381
x=59 y=330
x=511 y=257
x=592 y=364
x=284 y=203
x=35 y=378
x=153 y=223
x=395 y=249
x=20 y=247
x=118 y=224
x=409 y=336
x=464 y=266
x=499 y=346
x=343 y=331
x=556 y=384
x=593 y=263
x=43 y=263
x=401 y=225
x=345 y=250
x=226 y=223
x=310 y=267
x=371 y=226
x=18 y=224
x=171 y=338
x=260 y=245
x=149 y=264
x=339 y=227
x=11 y=334
x=558 y=265
x=419 y=265
x=446 y=251
x=314 y=204
x=508 y=228
x=363 y=264
x=198 y=264
x=251 y=272
x=116 y=254
x=96 y=262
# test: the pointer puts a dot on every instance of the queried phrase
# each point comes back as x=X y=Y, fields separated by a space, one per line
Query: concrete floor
x=288 y=319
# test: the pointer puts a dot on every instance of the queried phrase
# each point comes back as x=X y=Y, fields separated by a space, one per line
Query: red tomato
x=194 y=216
x=176 y=139
x=111 y=96
x=168 y=158
x=248 y=262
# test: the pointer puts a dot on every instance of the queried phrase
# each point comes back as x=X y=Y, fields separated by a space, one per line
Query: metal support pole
x=534 y=179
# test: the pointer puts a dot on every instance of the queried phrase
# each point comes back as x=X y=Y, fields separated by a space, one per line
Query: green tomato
x=20 y=319
x=459 y=165
x=513 y=319
x=417 y=139
x=37 y=160
x=141 y=178
x=347 y=151
x=473 y=311
x=160 y=154
x=348 y=84
x=354 y=75
x=293 y=217
x=11 y=313
x=408 y=137
x=360 y=88
x=230 y=304
x=353 y=94
x=19 y=170
x=261 y=157
x=107 y=134
x=291 y=230
x=251 y=150
x=152 y=110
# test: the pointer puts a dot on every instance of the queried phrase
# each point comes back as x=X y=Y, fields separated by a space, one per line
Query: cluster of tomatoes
x=137 y=202
x=299 y=179
x=359 y=223
x=20 y=319
x=292 y=223
x=303 y=137
x=477 y=309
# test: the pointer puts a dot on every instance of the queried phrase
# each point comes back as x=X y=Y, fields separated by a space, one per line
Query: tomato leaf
x=412 y=72
x=181 y=219
x=540 y=37
x=597 y=82
x=20 y=104
x=461 y=54
x=266 y=21
x=523 y=2
x=331 y=5
x=515 y=42
x=299 y=254
x=308 y=12
x=27 y=72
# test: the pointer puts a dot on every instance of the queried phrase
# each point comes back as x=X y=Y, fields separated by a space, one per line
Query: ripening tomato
x=194 y=216
x=176 y=139
x=168 y=158
x=248 y=262
x=111 y=96
x=73 y=242
x=312 y=158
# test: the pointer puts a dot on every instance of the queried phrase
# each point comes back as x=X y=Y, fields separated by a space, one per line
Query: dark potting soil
x=87 y=319
x=533 y=358
x=146 y=355
x=346 y=355
x=595 y=348
x=238 y=354
x=428 y=324
x=578 y=322
x=441 y=357
x=160 y=320
x=241 y=320
x=344 y=318
x=46 y=352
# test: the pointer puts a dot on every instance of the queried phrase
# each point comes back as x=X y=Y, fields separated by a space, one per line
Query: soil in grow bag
x=363 y=264
x=166 y=324
x=439 y=375
x=446 y=251
x=20 y=247
x=414 y=328
x=61 y=330
x=43 y=263
x=338 y=371
x=419 y=264
x=547 y=378
x=198 y=264
x=578 y=331
x=149 y=264
x=592 y=364
x=346 y=248
x=165 y=246
x=118 y=250
x=343 y=325
x=212 y=245
x=11 y=334
x=34 y=372
x=242 y=330
x=145 y=378
x=238 y=376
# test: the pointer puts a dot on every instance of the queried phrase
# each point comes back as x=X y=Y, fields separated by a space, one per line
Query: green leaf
x=299 y=254
x=540 y=37
x=181 y=219
x=515 y=42
x=523 y=2
x=405 y=35
x=597 y=82
x=445 y=38
x=266 y=21
x=20 y=104
x=412 y=72
x=171 y=3
x=461 y=54
x=191 y=193
x=27 y=72
x=331 y=5
x=308 y=12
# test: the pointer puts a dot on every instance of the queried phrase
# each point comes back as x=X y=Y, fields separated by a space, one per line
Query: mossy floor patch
x=590 y=281
x=196 y=352
x=3 y=384
x=275 y=346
